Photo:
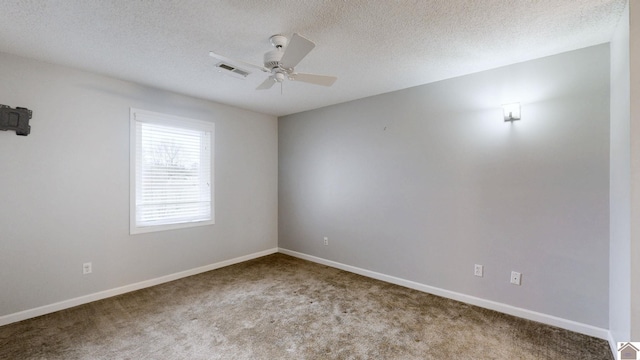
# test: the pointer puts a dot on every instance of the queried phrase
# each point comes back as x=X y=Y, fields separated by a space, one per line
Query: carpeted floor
x=280 y=307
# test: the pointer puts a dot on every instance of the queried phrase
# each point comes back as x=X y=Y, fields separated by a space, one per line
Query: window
x=171 y=172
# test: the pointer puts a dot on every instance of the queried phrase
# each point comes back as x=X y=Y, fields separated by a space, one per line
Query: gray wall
x=64 y=189
x=620 y=154
x=423 y=183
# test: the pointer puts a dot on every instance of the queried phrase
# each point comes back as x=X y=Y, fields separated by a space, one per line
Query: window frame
x=145 y=116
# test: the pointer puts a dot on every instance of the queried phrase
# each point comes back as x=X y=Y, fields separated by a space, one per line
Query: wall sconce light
x=511 y=111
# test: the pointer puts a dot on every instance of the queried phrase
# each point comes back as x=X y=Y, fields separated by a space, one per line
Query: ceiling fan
x=281 y=62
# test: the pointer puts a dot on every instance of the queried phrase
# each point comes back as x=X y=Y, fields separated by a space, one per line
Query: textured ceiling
x=372 y=46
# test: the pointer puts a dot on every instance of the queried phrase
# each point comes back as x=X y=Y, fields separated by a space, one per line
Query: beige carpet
x=279 y=307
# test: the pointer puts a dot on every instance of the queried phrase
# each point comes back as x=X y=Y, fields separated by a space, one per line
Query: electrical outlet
x=515 y=278
x=86 y=268
x=326 y=240
x=478 y=270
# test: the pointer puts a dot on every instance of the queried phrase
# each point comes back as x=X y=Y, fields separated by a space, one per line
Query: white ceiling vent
x=232 y=70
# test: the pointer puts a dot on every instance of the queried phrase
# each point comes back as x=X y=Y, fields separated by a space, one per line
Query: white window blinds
x=173 y=182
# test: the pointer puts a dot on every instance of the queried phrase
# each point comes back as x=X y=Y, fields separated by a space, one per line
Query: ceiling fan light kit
x=282 y=60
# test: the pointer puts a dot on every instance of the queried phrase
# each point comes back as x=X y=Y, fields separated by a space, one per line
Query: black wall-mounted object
x=15 y=119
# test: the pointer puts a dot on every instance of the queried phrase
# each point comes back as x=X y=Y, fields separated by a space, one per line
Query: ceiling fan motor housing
x=272 y=58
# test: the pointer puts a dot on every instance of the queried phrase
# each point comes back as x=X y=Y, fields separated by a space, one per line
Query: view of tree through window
x=173 y=181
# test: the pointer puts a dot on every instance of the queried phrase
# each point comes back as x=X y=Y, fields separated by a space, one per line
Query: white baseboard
x=31 y=313
x=613 y=344
x=488 y=304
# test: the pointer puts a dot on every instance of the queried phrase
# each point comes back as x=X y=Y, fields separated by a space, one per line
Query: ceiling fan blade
x=267 y=84
x=295 y=51
x=239 y=62
x=323 y=80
